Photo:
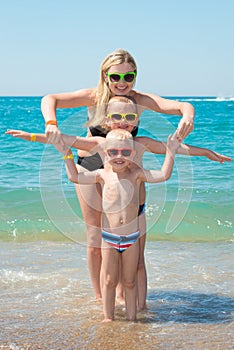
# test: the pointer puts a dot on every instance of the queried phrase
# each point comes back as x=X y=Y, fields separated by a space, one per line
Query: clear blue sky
x=181 y=47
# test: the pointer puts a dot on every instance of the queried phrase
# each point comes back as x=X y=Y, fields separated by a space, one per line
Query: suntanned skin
x=148 y=145
x=121 y=180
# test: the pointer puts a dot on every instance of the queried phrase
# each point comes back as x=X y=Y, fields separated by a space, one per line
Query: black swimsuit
x=94 y=162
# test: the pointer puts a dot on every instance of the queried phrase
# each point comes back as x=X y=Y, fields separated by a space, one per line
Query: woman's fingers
x=184 y=129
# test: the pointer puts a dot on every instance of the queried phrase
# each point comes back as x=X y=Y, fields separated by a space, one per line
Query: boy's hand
x=216 y=157
x=173 y=142
x=20 y=134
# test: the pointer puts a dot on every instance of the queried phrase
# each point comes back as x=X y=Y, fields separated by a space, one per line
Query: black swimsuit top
x=100 y=131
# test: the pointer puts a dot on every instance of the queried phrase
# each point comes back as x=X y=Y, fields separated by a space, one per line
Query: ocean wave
x=208 y=99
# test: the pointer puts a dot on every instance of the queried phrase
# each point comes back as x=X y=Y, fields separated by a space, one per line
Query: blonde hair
x=120 y=135
x=103 y=93
x=122 y=99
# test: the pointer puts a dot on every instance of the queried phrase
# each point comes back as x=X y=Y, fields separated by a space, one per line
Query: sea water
x=32 y=174
x=46 y=295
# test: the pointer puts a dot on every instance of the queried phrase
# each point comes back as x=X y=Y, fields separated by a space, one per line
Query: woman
x=117 y=78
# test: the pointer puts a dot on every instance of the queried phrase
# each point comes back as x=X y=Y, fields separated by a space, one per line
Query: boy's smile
x=119 y=158
x=119 y=150
x=119 y=165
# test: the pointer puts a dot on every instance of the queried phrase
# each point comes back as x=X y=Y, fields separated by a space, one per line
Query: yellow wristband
x=33 y=138
x=69 y=156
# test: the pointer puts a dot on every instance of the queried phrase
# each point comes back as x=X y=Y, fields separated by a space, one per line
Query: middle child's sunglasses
x=124 y=152
x=118 y=117
x=115 y=78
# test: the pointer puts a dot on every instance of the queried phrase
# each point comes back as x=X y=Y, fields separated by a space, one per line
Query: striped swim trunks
x=120 y=243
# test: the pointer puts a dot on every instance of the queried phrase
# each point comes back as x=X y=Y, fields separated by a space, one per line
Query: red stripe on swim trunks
x=120 y=246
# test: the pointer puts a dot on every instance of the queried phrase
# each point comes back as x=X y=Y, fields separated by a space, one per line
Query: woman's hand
x=185 y=126
x=53 y=134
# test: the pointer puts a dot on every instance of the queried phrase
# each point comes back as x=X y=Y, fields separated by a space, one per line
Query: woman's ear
x=105 y=77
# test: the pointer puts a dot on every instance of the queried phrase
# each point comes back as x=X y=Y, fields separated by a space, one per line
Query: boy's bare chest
x=120 y=192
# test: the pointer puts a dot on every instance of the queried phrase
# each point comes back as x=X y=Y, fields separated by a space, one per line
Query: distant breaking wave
x=208 y=99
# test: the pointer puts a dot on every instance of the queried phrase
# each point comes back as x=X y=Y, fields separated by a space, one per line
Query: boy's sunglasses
x=118 y=117
x=113 y=152
x=115 y=78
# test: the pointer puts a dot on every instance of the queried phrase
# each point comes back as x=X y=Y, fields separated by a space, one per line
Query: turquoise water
x=47 y=301
x=38 y=202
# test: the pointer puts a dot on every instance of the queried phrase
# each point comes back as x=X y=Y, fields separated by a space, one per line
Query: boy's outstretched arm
x=158 y=147
x=41 y=138
x=199 y=151
x=167 y=167
x=205 y=152
x=84 y=143
x=27 y=136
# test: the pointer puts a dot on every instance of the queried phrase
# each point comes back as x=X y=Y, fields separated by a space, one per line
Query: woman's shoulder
x=87 y=93
x=138 y=96
x=140 y=99
x=146 y=100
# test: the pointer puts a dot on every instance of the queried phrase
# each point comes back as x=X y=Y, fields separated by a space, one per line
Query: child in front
x=120 y=180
